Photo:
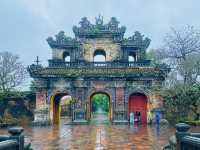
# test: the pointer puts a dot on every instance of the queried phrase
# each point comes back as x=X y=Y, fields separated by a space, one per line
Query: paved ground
x=99 y=118
x=98 y=137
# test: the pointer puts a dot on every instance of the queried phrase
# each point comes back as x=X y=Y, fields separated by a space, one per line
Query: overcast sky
x=25 y=24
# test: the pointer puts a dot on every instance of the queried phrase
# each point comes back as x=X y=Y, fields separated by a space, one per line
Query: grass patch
x=193 y=123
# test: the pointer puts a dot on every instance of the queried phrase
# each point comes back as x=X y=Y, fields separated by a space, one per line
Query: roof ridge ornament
x=85 y=23
x=137 y=40
x=99 y=29
x=99 y=20
x=89 y=30
x=113 y=23
x=61 y=39
x=37 y=61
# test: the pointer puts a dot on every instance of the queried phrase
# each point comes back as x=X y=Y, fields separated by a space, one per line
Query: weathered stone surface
x=111 y=49
x=81 y=78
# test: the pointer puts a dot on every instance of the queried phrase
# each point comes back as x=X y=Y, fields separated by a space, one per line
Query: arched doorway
x=99 y=56
x=100 y=108
x=132 y=57
x=66 y=57
x=138 y=106
x=61 y=107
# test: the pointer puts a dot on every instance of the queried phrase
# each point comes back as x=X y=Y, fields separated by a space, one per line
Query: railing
x=14 y=141
x=184 y=140
x=9 y=145
x=190 y=142
x=117 y=64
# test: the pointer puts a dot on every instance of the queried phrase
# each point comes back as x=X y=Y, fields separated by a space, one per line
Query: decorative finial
x=37 y=60
x=99 y=20
x=85 y=23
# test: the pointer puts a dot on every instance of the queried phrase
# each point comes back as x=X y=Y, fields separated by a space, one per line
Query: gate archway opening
x=132 y=57
x=99 y=56
x=137 y=105
x=66 y=57
x=61 y=107
x=100 y=108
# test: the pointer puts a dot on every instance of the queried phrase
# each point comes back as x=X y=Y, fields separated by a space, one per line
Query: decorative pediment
x=137 y=40
x=85 y=23
x=86 y=29
x=61 y=41
x=113 y=23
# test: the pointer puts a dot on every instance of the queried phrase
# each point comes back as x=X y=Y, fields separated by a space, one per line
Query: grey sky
x=25 y=24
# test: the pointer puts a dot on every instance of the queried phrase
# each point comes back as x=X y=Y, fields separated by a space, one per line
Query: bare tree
x=12 y=71
x=190 y=68
x=180 y=47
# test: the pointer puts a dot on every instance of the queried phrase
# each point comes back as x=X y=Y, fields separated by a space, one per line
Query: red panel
x=138 y=103
x=120 y=95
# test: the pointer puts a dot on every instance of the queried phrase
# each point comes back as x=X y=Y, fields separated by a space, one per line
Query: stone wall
x=111 y=49
x=81 y=90
x=88 y=47
x=57 y=53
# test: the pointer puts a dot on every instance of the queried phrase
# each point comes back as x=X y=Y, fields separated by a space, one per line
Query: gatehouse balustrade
x=116 y=64
x=134 y=70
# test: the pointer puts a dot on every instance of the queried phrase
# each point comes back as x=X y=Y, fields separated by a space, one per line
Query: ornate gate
x=138 y=105
x=74 y=67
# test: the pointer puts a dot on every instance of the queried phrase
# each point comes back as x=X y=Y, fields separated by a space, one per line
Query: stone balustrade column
x=16 y=133
x=181 y=131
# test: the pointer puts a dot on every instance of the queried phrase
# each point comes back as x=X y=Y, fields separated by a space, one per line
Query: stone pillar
x=156 y=105
x=41 y=113
x=113 y=103
x=113 y=91
x=79 y=111
x=41 y=96
x=16 y=133
x=126 y=97
x=181 y=131
x=120 y=109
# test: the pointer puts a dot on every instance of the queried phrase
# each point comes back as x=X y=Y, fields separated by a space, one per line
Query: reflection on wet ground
x=99 y=118
x=98 y=137
x=90 y=137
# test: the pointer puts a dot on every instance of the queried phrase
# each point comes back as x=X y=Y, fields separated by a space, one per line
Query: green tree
x=181 y=102
x=154 y=56
x=100 y=101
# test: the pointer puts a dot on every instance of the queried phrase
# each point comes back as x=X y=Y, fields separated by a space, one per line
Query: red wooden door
x=138 y=103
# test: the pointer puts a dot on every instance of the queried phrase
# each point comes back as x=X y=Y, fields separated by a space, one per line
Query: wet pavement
x=99 y=118
x=98 y=137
